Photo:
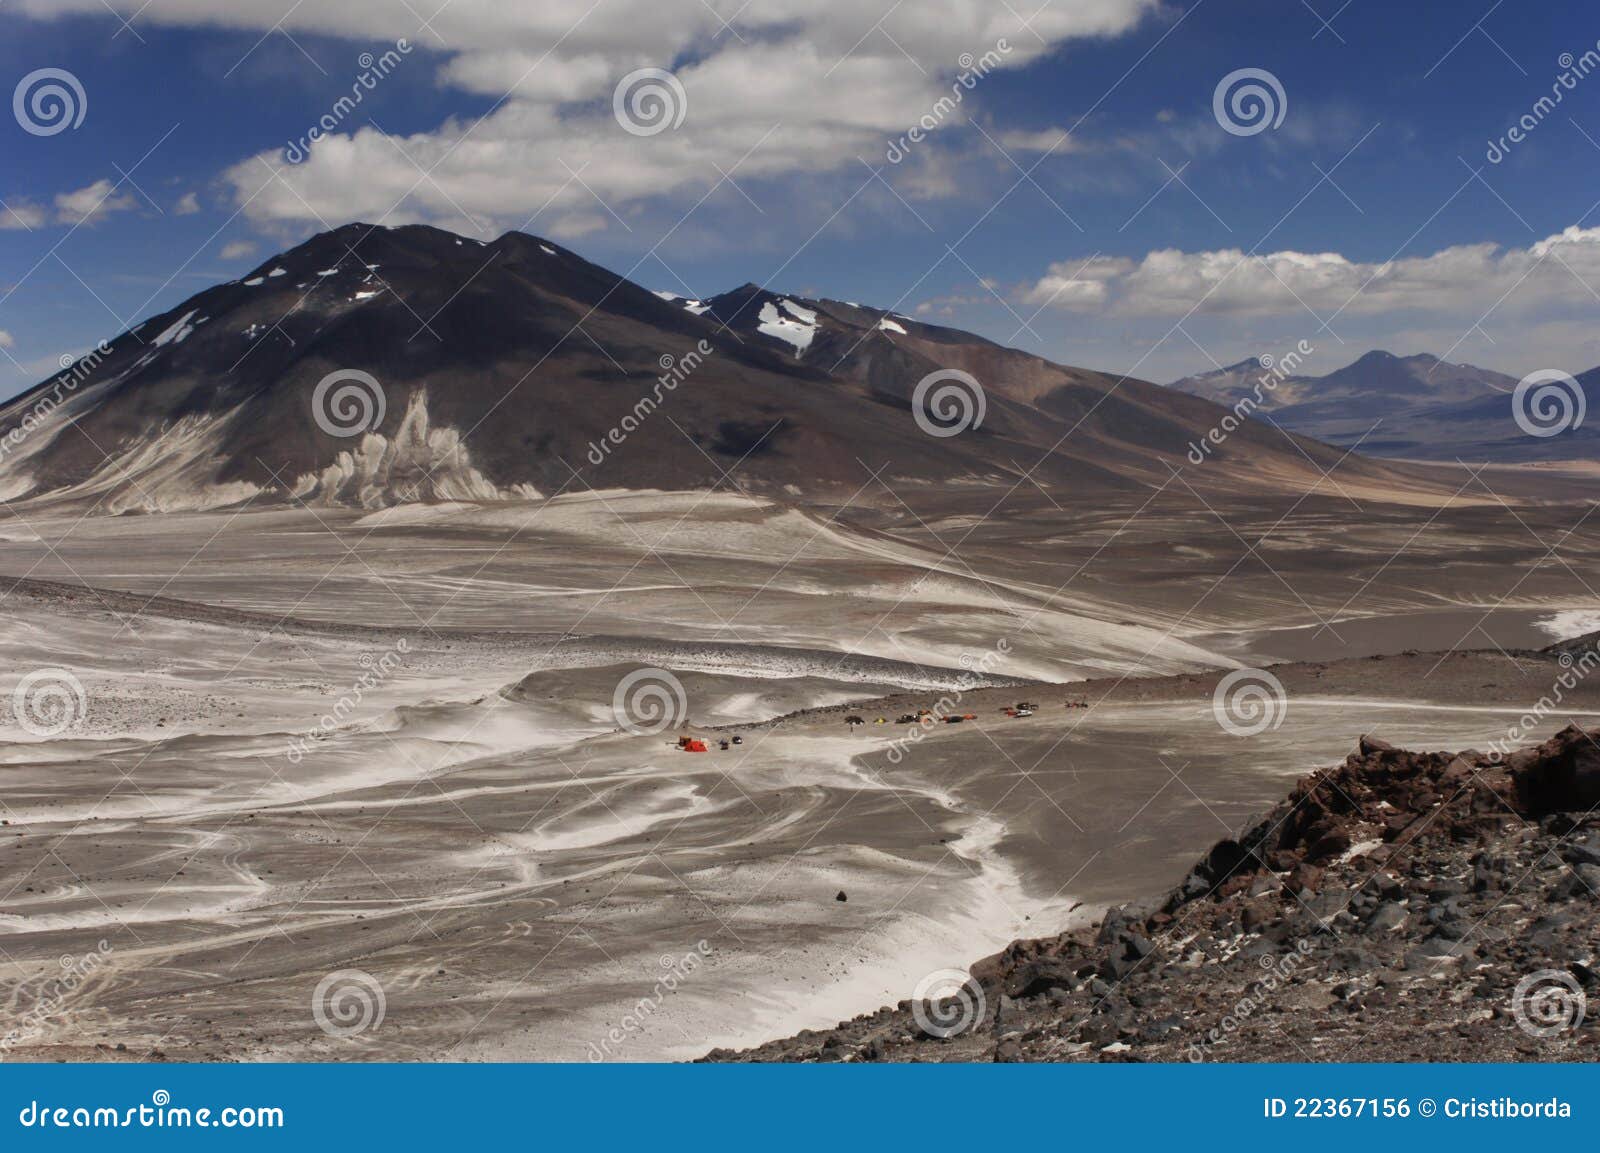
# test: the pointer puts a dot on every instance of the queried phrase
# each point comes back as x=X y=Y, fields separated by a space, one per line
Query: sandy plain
x=516 y=874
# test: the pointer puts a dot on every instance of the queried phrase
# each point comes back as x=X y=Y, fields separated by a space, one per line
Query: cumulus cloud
x=188 y=204
x=7 y=340
x=794 y=89
x=85 y=205
x=1463 y=280
x=238 y=249
x=92 y=203
x=21 y=215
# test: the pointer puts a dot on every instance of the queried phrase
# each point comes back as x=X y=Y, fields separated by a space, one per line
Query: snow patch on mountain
x=796 y=330
x=803 y=315
x=689 y=305
x=178 y=331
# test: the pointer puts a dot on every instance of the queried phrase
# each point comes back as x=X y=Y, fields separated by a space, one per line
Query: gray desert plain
x=402 y=748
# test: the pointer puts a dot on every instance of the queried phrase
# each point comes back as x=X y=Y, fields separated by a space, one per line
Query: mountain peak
x=370 y=365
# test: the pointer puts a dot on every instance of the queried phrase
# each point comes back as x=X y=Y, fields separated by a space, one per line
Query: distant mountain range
x=371 y=366
x=1411 y=407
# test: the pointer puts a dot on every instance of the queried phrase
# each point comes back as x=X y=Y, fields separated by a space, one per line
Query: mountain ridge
x=1409 y=407
x=448 y=368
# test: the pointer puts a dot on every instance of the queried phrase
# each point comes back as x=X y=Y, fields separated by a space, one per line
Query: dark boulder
x=1389 y=916
x=1033 y=978
x=1565 y=781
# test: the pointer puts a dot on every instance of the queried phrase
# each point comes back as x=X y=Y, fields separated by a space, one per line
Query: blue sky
x=1082 y=201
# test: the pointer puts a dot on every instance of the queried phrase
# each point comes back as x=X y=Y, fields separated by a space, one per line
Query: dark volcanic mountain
x=1423 y=408
x=373 y=365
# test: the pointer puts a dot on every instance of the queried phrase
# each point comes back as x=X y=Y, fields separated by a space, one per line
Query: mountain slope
x=1415 y=407
x=371 y=366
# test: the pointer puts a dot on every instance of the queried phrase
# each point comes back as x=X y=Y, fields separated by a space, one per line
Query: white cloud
x=832 y=76
x=1054 y=141
x=20 y=215
x=1463 y=280
x=188 y=204
x=85 y=205
x=238 y=249
x=7 y=340
x=93 y=202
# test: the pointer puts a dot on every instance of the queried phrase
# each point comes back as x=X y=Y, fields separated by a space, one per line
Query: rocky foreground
x=1401 y=906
